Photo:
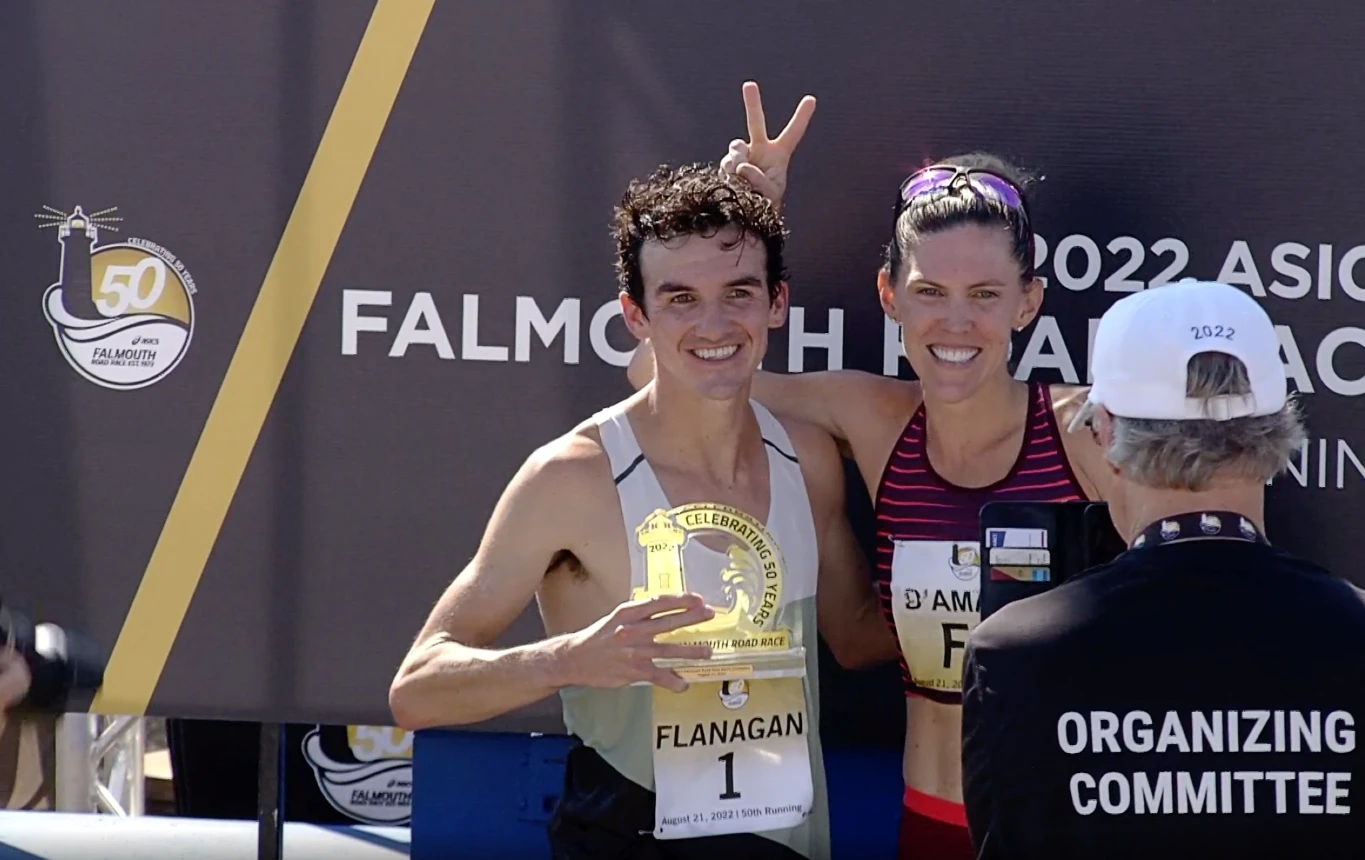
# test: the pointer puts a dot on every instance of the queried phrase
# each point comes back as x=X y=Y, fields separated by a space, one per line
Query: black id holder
x=1028 y=548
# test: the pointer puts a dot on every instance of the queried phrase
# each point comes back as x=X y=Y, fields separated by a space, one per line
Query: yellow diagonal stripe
x=304 y=252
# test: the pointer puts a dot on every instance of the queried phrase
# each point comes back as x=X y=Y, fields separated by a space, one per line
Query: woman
x=958 y=277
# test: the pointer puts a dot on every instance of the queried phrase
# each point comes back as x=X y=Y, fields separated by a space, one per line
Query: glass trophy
x=730 y=559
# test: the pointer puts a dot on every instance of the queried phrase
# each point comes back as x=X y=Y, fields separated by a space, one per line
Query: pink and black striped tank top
x=928 y=553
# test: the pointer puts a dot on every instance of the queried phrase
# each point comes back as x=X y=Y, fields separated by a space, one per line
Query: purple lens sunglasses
x=947 y=177
x=944 y=177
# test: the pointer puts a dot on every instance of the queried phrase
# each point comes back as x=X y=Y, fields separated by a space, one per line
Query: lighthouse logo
x=122 y=313
x=364 y=772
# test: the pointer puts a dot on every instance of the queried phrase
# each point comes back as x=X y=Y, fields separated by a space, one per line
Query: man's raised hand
x=762 y=161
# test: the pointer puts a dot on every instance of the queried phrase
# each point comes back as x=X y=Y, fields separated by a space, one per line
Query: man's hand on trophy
x=620 y=649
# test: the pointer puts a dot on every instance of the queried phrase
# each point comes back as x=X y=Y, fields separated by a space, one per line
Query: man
x=43 y=666
x=14 y=679
x=732 y=766
x=1198 y=696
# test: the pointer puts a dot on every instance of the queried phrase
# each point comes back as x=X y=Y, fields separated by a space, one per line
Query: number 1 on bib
x=731 y=757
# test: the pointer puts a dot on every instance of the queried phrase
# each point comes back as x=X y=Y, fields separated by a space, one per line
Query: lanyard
x=1197 y=525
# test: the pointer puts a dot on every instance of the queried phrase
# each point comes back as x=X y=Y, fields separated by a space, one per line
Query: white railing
x=99 y=764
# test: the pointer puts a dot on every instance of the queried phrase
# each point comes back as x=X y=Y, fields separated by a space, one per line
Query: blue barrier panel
x=865 y=790
x=490 y=794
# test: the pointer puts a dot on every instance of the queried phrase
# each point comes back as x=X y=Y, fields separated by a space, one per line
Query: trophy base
x=739 y=666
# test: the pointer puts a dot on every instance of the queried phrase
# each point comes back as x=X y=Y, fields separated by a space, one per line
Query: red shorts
x=933 y=829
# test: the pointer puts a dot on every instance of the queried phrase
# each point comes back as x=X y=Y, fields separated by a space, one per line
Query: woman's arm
x=1081 y=447
x=836 y=401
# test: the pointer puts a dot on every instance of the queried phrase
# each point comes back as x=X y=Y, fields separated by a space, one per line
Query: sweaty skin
x=959 y=289
x=557 y=535
x=866 y=413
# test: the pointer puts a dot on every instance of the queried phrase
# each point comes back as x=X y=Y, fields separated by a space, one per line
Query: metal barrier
x=99 y=764
x=100 y=799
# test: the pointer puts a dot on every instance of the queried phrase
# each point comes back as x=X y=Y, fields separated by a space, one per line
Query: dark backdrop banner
x=458 y=309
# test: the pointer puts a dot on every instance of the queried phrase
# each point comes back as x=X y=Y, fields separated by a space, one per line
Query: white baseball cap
x=1145 y=341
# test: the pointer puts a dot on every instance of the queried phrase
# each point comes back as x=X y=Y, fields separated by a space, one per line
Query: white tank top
x=617 y=723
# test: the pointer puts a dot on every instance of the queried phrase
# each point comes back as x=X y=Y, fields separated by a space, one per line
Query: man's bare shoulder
x=574 y=463
x=816 y=453
x=809 y=440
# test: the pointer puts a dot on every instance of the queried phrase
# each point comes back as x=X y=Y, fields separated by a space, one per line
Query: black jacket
x=1099 y=718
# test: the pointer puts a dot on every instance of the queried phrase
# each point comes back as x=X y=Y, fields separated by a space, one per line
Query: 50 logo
x=122 y=313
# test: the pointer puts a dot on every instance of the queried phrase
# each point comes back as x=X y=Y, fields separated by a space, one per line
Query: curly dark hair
x=694 y=199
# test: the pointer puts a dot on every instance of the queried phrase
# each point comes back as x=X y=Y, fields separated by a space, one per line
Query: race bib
x=934 y=590
x=731 y=757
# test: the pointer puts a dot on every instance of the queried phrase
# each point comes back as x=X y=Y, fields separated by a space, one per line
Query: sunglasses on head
x=949 y=177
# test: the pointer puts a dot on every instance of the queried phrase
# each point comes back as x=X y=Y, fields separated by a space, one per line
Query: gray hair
x=1189 y=455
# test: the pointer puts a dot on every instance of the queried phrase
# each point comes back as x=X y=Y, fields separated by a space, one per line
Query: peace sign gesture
x=762 y=161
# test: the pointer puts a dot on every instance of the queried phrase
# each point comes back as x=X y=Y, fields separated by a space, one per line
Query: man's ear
x=1102 y=428
x=778 y=307
x=634 y=315
x=1103 y=424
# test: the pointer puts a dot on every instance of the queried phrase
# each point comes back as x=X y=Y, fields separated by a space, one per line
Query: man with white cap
x=1199 y=696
